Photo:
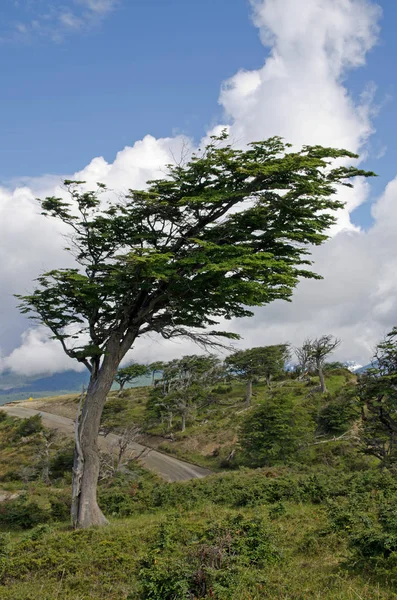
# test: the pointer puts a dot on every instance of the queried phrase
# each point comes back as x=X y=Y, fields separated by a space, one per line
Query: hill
x=317 y=524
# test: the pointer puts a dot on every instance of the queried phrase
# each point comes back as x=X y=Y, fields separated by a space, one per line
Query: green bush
x=22 y=514
x=210 y=567
x=338 y=415
x=60 y=507
x=62 y=462
x=274 y=431
x=29 y=426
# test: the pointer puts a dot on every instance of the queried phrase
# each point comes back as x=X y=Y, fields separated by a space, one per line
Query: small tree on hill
x=318 y=350
x=229 y=230
x=156 y=367
x=130 y=374
x=304 y=356
x=187 y=383
x=249 y=365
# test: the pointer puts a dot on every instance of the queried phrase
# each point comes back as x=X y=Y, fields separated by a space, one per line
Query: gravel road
x=167 y=467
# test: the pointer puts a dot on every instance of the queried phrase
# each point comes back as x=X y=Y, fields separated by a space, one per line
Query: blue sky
x=147 y=66
x=82 y=79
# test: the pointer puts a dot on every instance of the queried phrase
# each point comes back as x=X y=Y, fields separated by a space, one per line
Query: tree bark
x=268 y=380
x=170 y=416
x=183 y=428
x=248 y=393
x=121 y=388
x=85 y=510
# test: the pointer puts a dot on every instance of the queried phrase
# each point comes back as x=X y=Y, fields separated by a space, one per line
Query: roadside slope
x=169 y=468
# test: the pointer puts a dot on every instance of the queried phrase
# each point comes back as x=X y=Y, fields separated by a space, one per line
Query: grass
x=282 y=532
x=107 y=563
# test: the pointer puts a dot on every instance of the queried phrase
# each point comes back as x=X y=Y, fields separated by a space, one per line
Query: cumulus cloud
x=299 y=93
x=38 y=354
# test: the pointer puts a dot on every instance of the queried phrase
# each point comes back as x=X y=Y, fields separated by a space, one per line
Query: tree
x=378 y=395
x=188 y=381
x=318 y=350
x=266 y=361
x=129 y=374
x=273 y=361
x=303 y=354
x=274 y=431
x=156 y=367
x=228 y=230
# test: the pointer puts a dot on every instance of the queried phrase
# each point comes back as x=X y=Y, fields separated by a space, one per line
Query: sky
x=111 y=90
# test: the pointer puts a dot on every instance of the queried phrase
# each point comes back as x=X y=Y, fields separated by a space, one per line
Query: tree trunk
x=268 y=380
x=121 y=388
x=85 y=510
x=248 y=393
x=183 y=428
x=322 y=380
x=170 y=416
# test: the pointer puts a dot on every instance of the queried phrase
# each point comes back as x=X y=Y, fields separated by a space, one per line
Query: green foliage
x=377 y=392
x=213 y=565
x=175 y=256
x=130 y=373
x=338 y=415
x=29 y=426
x=22 y=513
x=62 y=461
x=266 y=361
x=186 y=383
x=274 y=431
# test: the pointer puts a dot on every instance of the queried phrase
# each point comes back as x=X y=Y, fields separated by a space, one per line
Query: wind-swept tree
x=251 y=364
x=318 y=350
x=130 y=373
x=228 y=230
x=156 y=367
x=187 y=383
x=304 y=356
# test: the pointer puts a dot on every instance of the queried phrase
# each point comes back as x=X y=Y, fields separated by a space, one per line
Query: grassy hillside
x=318 y=525
x=211 y=434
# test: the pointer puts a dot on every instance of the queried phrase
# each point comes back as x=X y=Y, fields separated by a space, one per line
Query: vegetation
x=130 y=373
x=229 y=230
x=251 y=364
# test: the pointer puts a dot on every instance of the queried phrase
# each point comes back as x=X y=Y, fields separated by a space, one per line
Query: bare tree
x=318 y=350
x=303 y=354
x=121 y=452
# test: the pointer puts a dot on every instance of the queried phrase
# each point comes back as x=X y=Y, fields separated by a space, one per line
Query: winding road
x=167 y=467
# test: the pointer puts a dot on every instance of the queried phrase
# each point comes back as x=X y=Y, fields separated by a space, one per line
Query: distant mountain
x=13 y=387
x=20 y=387
x=353 y=366
x=365 y=368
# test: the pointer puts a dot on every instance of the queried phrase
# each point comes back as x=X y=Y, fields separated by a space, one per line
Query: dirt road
x=167 y=467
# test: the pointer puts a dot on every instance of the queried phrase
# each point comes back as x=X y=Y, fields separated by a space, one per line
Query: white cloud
x=55 y=19
x=38 y=355
x=299 y=93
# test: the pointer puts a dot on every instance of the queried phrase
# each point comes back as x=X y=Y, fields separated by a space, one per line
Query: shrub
x=273 y=432
x=22 y=514
x=60 y=507
x=338 y=415
x=62 y=462
x=29 y=426
x=212 y=567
